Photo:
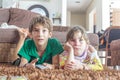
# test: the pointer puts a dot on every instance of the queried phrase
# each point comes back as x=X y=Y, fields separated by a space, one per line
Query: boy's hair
x=74 y=29
x=42 y=20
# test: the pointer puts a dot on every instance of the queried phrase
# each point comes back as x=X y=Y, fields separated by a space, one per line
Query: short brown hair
x=74 y=29
x=41 y=20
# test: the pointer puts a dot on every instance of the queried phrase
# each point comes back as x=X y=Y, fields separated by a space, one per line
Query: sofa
x=14 y=16
x=9 y=36
x=21 y=18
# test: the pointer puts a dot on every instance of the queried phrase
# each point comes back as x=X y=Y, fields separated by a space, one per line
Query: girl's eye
x=35 y=30
x=81 y=39
x=44 y=30
x=72 y=40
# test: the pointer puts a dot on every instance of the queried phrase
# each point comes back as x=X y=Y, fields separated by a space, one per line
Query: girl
x=80 y=55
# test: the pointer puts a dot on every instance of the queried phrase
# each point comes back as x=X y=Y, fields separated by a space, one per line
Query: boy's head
x=40 y=30
x=42 y=20
x=75 y=29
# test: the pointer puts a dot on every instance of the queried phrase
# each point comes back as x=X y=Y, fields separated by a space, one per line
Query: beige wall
x=53 y=6
x=78 y=19
x=0 y=3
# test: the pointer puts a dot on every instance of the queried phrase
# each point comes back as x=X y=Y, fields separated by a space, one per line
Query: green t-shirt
x=29 y=51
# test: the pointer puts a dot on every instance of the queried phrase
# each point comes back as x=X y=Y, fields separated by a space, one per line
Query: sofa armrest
x=9 y=35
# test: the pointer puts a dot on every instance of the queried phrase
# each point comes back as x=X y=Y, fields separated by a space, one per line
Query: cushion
x=4 y=15
x=10 y=35
x=61 y=36
x=20 y=17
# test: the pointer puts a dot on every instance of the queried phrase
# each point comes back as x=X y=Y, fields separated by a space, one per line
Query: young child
x=41 y=48
x=80 y=54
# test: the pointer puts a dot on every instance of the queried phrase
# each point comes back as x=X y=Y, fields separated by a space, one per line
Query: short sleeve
x=56 y=47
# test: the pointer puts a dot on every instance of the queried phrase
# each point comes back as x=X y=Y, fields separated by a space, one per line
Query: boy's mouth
x=40 y=39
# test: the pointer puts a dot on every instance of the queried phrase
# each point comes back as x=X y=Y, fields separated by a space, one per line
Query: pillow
x=20 y=17
x=61 y=36
x=4 y=15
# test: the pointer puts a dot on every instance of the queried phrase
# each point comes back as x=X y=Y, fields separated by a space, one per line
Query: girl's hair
x=42 y=20
x=74 y=29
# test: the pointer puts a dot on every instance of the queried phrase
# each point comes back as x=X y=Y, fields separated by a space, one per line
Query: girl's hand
x=67 y=47
x=49 y=66
x=74 y=66
x=31 y=64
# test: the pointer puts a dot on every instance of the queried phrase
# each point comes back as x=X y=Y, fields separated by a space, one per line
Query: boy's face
x=40 y=35
x=78 y=43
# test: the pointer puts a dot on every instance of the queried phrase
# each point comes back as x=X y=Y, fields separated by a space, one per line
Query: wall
x=102 y=14
x=92 y=7
x=0 y=3
x=68 y=18
x=78 y=19
x=53 y=6
x=9 y=3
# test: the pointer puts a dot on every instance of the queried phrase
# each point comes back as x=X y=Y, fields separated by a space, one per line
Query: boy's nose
x=40 y=33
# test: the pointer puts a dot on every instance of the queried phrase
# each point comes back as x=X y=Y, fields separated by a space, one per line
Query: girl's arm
x=69 y=49
x=95 y=60
x=55 y=61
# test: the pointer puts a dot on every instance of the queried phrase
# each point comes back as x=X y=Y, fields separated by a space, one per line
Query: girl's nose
x=77 y=42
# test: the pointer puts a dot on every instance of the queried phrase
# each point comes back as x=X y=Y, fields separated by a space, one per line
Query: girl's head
x=76 y=29
x=40 y=30
x=78 y=39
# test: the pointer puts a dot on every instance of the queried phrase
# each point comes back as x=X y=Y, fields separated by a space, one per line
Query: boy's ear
x=30 y=35
x=50 y=34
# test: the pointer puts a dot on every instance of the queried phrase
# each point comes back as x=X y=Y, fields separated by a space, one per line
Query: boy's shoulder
x=29 y=41
x=53 y=40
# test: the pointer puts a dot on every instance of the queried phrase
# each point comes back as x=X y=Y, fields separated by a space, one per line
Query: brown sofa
x=9 y=37
x=21 y=18
x=14 y=16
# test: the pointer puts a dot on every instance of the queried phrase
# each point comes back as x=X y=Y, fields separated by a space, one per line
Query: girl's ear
x=50 y=34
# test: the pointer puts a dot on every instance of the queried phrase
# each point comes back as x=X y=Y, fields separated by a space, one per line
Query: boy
x=41 y=48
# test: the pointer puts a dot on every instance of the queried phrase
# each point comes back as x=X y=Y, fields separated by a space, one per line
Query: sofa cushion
x=61 y=36
x=9 y=35
x=4 y=15
x=20 y=17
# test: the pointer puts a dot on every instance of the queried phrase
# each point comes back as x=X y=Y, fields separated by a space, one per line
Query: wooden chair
x=114 y=34
x=115 y=52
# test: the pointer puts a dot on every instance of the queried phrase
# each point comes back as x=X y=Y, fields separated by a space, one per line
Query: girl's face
x=40 y=35
x=78 y=43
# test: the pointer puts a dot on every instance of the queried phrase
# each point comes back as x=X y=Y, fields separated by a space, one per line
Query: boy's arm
x=23 y=62
x=23 y=34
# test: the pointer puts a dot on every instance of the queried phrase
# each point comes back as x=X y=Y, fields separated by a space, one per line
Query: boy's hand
x=32 y=63
x=49 y=66
x=23 y=32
